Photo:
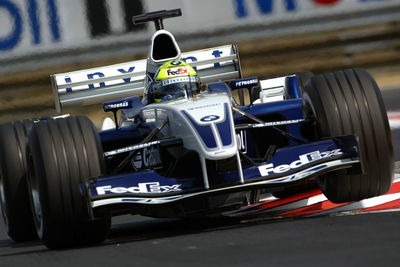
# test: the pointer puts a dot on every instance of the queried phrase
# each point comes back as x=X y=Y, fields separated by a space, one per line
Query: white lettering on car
x=268 y=169
x=118 y=105
x=152 y=187
x=247 y=82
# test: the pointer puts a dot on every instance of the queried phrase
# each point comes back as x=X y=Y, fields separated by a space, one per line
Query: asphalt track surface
x=371 y=239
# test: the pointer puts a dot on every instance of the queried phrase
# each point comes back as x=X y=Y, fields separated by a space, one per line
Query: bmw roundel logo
x=210 y=118
x=176 y=63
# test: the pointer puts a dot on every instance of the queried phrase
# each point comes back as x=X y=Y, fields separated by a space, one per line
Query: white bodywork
x=272 y=89
x=207 y=112
x=113 y=82
x=180 y=113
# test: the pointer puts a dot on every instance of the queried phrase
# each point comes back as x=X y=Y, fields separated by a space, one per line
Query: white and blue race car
x=62 y=179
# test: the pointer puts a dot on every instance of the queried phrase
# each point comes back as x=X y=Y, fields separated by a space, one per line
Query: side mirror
x=114 y=106
x=251 y=84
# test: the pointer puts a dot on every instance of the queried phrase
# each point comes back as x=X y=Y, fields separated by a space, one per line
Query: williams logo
x=210 y=118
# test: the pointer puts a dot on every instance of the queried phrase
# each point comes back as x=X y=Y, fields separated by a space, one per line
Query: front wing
x=288 y=165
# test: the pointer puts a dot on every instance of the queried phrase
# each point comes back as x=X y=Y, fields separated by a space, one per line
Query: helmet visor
x=176 y=88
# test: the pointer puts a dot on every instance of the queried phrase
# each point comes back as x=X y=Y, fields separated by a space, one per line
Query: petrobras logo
x=152 y=187
x=177 y=71
x=246 y=82
x=118 y=105
x=268 y=169
x=209 y=118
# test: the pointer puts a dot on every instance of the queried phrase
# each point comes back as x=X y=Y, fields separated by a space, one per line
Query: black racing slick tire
x=14 y=195
x=344 y=103
x=63 y=155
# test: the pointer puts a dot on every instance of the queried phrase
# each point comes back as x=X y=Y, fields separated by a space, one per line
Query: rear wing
x=108 y=83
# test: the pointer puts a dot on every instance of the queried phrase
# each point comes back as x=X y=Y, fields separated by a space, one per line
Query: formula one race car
x=191 y=137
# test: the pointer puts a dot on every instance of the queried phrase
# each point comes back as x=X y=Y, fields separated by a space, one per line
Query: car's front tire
x=349 y=102
x=63 y=155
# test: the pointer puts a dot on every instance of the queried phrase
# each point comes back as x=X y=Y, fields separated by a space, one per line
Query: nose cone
x=212 y=122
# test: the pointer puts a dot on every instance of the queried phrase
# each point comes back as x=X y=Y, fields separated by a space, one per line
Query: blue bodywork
x=292 y=160
x=283 y=156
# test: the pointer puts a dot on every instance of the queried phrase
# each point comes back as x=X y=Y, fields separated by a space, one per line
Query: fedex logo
x=153 y=187
x=178 y=71
x=268 y=169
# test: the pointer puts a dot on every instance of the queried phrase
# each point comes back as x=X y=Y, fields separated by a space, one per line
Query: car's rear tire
x=344 y=103
x=304 y=77
x=63 y=155
x=14 y=196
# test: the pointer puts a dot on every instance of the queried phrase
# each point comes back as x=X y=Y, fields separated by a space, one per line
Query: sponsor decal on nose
x=209 y=118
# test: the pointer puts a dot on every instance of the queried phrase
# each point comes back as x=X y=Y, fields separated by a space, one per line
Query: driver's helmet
x=175 y=80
